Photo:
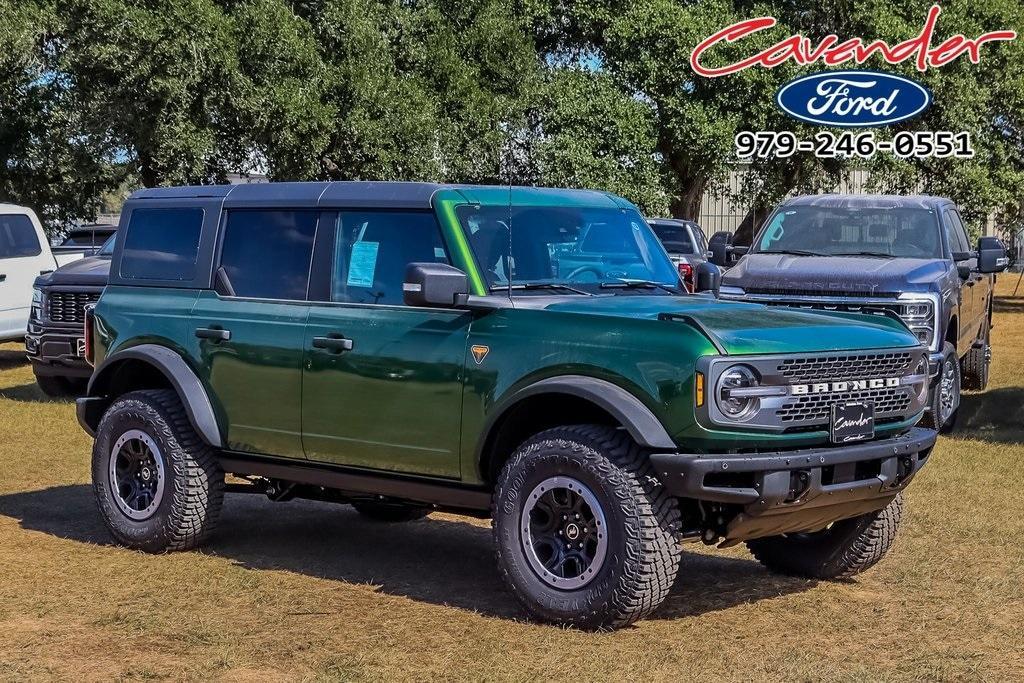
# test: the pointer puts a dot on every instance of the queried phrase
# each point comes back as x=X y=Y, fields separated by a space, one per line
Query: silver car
x=685 y=243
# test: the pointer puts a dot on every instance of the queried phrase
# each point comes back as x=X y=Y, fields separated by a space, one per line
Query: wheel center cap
x=146 y=474
x=572 y=531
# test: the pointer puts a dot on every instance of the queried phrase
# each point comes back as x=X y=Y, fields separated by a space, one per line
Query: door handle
x=217 y=335
x=336 y=344
x=3 y=276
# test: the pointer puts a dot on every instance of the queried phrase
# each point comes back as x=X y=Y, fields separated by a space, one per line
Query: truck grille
x=841 y=367
x=69 y=307
x=780 y=291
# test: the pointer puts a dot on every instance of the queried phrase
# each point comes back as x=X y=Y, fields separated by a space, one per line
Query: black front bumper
x=55 y=351
x=798 y=490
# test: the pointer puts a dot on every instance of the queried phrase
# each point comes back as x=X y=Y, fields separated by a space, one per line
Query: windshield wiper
x=795 y=252
x=622 y=283
x=862 y=253
x=539 y=285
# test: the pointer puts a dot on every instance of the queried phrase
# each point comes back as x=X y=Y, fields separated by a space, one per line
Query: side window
x=18 y=238
x=162 y=244
x=266 y=254
x=372 y=249
x=962 y=229
x=955 y=232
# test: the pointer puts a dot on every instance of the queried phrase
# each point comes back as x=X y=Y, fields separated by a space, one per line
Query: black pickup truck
x=904 y=256
x=55 y=342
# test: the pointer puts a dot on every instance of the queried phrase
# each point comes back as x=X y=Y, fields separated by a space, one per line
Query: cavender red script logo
x=832 y=52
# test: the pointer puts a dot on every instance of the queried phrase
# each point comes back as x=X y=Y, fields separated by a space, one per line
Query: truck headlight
x=730 y=396
x=920 y=318
x=37 y=303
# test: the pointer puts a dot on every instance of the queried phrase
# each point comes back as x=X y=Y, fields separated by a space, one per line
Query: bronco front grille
x=801 y=389
x=818 y=407
x=69 y=307
x=841 y=367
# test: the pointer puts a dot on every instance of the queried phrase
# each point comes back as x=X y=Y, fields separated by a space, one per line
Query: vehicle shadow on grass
x=995 y=415
x=31 y=393
x=439 y=561
x=12 y=359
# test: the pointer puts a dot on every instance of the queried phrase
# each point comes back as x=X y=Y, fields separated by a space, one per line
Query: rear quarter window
x=162 y=244
x=18 y=238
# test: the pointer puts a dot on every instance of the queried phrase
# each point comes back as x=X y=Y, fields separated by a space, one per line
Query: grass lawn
x=311 y=591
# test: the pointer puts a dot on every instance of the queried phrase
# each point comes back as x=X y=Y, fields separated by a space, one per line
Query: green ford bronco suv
x=524 y=354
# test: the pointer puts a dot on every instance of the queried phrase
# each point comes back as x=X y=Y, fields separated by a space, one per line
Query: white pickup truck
x=24 y=255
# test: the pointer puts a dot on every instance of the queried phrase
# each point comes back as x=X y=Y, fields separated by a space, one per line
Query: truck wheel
x=974 y=366
x=390 y=512
x=846 y=548
x=584 y=533
x=158 y=485
x=944 y=398
x=60 y=387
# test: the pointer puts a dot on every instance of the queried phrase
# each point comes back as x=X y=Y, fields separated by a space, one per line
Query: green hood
x=744 y=328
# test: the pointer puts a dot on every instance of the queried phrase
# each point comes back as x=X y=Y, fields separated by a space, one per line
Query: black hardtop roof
x=354 y=193
x=868 y=201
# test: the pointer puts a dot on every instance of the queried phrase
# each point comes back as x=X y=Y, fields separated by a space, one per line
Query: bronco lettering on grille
x=849 y=385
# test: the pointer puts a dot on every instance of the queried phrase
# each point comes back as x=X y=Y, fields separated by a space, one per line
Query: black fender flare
x=645 y=428
x=172 y=366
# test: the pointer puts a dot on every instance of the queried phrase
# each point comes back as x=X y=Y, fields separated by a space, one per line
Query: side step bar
x=453 y=496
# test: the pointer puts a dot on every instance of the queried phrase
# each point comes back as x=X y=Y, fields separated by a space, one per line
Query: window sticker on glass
x=362 y=264
x=439 y=253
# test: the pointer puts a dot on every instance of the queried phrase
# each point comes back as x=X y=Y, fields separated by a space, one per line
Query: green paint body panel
x=394 y=401
x=410 y=397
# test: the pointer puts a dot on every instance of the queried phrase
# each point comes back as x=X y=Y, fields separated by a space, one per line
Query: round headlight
x=733 y=406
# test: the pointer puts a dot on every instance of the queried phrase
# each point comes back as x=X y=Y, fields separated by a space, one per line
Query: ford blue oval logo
x=851 y=99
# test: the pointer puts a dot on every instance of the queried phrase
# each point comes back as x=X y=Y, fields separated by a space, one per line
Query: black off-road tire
x=194 y=481
x=56 y=386
x=843 y=550
x=975 y=365
x=385 y=512
x=931 y=418
x=643 y=554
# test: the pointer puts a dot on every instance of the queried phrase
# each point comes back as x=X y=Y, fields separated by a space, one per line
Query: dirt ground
x=311 y=591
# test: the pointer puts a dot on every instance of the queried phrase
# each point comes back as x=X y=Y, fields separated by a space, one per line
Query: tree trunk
x=686 y=204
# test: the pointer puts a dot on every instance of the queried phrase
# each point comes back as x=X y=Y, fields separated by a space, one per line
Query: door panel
x=382 y=382
x=256 y=374
x=392 y=402
x=250 y=335
x=22 y=260
x=957 y=238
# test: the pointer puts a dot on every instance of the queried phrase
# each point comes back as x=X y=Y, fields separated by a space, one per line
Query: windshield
x=828 y=231
x=676 y=238
x=108 y=247
x=581 y=247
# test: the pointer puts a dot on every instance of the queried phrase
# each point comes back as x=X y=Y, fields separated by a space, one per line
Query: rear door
x=382 y=382
x=249 y=330
x=23 y=257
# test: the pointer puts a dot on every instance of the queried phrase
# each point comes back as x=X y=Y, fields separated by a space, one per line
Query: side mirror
x=719 y=246
x=707 y=278
x=434 y=284
x=992 y=256
x=723 y=253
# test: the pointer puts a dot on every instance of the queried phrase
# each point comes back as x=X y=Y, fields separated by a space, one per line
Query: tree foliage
x=95 y=94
